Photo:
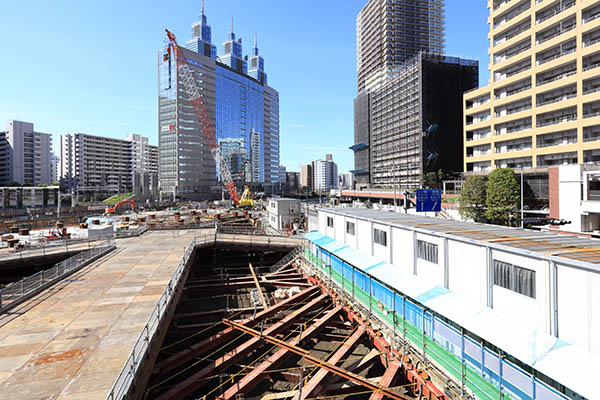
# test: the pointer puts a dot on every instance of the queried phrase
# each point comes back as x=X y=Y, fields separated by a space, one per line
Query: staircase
x=287 y=260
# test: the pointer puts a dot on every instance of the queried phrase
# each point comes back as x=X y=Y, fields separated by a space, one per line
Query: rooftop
x=565 y=249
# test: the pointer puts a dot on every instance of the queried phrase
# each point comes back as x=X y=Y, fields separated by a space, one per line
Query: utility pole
x=521 y=197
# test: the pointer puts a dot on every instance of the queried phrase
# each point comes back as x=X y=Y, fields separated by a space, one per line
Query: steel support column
x=388 y=379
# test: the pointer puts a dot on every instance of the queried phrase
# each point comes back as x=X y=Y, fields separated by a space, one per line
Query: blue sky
x=75 y=66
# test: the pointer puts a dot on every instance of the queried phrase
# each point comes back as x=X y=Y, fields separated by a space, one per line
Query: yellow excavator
x=245 y=200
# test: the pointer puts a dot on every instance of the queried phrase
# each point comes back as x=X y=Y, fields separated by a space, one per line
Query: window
x=350 y=228
x=517 y=279
x=380 y=237
x=330 y=222
x=427 y=251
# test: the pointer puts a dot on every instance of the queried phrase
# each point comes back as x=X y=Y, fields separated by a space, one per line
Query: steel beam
x=197 y=380
x=388 y=379
x=368 y=360
x=314 y=385
x=226 y=334
x=320 y=363
x=248 y=382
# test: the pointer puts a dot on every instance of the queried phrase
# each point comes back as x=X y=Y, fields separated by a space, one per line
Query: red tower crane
x=208 y=131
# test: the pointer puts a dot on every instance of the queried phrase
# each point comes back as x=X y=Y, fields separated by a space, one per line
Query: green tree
x=433 y=180
x=473 y=198
x=503 y=196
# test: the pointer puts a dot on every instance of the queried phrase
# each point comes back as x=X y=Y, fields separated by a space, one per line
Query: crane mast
x=208 y=132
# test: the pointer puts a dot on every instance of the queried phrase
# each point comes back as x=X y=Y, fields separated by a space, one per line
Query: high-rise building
x=4 y=160
x=306 y=177
x=29 y=154
x=54 y=177
x=325 y=176
x=391 y=32
x=240 y=105
x=96 y=162
x=541 y=106
x=345 y=180
x=292 y=180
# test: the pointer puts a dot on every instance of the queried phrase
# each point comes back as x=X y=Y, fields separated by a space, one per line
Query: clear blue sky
x=90 y=66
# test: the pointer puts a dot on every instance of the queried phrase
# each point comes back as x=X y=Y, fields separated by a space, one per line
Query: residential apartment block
x=25 y=155
x=96 y=162
x=391 y=32
x=325 y=174
x=411 y=125
x=542 y=105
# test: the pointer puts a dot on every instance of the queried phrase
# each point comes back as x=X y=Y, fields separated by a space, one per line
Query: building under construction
x=411 y=125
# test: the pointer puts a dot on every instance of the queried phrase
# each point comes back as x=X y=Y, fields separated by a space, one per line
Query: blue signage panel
x=429 y=200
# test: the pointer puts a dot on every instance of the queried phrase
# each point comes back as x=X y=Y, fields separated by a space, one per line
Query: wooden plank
x=260 y=293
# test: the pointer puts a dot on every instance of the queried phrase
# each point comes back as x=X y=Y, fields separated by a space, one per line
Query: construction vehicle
x=208 y=131
x=112 y=210
x=245 y=200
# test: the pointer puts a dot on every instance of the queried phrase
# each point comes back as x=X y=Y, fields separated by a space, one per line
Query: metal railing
x=285 y=261
x=17 y=292
x=42 y=248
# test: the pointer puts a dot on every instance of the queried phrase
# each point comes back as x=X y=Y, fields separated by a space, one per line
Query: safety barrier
x=477 y=365
x=17 y=292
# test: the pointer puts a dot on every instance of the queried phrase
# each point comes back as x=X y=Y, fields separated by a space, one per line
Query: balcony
x=512 y=51
x=553 y=9
x=560 y=50
x=510 y=33
x=518 y=125
x=478 y=101
x=481 y=150
x=508 y=146
x=500 y=3
x=482 y=166
x=512 y=89
x=512 y=108
x=592 y=156
x=591 y=133
x=556 y=117
x=479 y=134
x=590 y=62
x=555 y=74
x=557 y=95
x=513 y=69
x=591 y=85
x=511 y=13
x=557 y=138
x=479 y=117
x=549 y=160
x=556 y=30
x=591 y=13
x=514 y=163
x=591 y=109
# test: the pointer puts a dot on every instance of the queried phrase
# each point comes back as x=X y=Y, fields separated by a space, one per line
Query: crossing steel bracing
x=391 y=393
x=198 y=379
x=315 y=383
x=224 y=335
x=274 y=361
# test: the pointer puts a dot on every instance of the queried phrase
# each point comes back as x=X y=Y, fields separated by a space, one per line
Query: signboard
x=429 y=200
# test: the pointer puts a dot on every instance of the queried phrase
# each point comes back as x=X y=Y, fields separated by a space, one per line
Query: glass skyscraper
x=243 y=109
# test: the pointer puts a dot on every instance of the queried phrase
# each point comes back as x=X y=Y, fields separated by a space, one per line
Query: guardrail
x=17 y=292
x=288 y=258
x=43 y=248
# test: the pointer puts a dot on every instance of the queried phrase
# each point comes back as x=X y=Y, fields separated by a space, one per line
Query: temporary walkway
x=71 y=341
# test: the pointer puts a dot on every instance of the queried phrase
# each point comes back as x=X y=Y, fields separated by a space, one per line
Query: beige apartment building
x=542 y=105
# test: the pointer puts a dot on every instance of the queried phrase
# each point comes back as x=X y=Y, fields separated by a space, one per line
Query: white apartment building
x=29 y=154
x=325 y=175
x=89 y=161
